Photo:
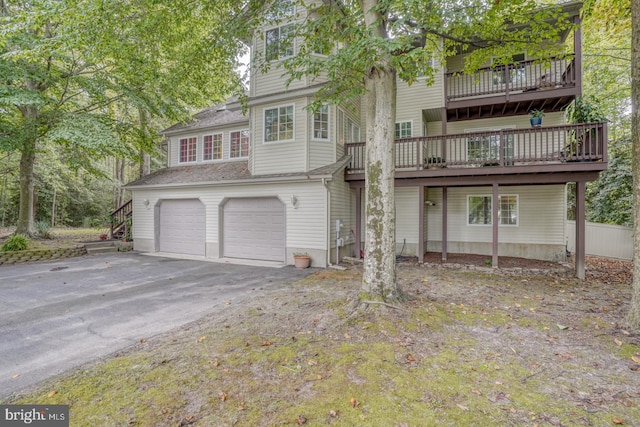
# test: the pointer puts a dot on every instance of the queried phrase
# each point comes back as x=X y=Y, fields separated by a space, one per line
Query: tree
x=633 y=317
x=367 y=44
x=70 y=66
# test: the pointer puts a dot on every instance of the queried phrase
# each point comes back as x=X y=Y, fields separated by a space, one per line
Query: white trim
x=229 y=144
x=221 y=147
x=180 y=162
x=264 y=124
x=313 y=125
x=490 y=197
x=293 y=41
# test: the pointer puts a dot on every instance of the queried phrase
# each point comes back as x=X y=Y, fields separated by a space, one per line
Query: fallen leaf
x=311 y=362
x=265 y=343
x=617 y=341
x=15 y=376
x=202 y=338
x=410 y=358
x=347 y=336
x=227 y=303
x=223 y=396
x=318 y=377
x=216 y=363
x=333 y=414
x=617 y=421
x=301 y=420
x=464 y=408
x=635 y=359
x=562 y=327
x=354 y=403
x=52 y=393
x=142 y=340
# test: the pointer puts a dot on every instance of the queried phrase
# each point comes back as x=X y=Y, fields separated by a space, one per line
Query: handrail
x=118 y=218
x=504 y=147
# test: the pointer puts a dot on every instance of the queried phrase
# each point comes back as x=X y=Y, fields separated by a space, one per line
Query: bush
x=43 y=229
x=17 y=242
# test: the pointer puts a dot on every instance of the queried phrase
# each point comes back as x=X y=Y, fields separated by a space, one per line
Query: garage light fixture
x=294 y=202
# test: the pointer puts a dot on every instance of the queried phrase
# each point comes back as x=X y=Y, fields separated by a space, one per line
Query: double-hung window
x=321 y=123
x=239 y=144
x=480 y=210
x=348 y=130
x=404 y=130
x=212 y=147
x=279 y=42
x=278 y=124
x=188 y=149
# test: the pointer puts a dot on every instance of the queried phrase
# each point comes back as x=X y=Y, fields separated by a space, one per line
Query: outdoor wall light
x=294 y=202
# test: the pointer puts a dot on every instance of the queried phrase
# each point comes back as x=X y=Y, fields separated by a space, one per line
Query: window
x=321 y=123
x=485 y=148
x=212 y=148
x=517 y=72
x=279 y=42
x=188 y=149
x=278 y=124
x=239 y=144
x=403 y=130
x=280 y=10
x=348 y=131
x=479 y=210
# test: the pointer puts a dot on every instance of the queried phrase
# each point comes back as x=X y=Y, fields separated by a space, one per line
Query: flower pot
x=302 y=262
x=535 y=121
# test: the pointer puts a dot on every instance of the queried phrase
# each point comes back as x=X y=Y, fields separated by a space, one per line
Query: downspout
x=328 y=219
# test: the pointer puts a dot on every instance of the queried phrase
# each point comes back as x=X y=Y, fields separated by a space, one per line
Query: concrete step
x=105 y=246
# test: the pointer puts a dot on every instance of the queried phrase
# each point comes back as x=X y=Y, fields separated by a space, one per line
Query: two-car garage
x=250 y=228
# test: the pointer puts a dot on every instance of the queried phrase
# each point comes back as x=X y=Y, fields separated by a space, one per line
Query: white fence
x=609 y=241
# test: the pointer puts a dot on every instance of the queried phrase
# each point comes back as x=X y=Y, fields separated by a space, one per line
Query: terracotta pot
x=302 y=261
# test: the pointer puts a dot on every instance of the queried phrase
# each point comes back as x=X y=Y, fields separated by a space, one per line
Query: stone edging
x=19 y=257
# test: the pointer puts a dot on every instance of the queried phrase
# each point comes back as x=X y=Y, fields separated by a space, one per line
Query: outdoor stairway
x=102 y=247
x=121 y=221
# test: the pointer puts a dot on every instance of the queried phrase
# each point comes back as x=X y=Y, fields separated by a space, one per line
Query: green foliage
x=585 y=110
x=16 y=242
x=43 y=229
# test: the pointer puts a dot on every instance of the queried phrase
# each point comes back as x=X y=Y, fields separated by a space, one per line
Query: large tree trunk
x=25 y=213
x=633 y=317
x=379 y=275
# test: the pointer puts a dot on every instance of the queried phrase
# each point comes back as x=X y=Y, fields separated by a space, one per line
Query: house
x=472 y=175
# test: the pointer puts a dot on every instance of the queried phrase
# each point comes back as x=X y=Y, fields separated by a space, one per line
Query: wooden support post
x=444 y=223
x=580 y=230
x=495 y=206
x=421 y=224
x=358 y=222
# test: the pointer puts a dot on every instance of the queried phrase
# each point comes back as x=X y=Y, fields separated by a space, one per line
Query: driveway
x=60 y=315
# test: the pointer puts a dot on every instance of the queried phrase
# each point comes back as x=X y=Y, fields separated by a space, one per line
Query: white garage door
x=182 y=227
x=254 y=229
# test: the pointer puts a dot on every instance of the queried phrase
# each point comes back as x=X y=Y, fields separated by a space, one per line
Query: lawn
x=468 y=348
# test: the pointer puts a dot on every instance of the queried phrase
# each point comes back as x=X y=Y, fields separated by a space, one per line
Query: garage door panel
x=254 y=229
x=182 y=227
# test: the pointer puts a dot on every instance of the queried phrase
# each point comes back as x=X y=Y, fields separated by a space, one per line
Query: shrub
x=43 y=230
x=17 y=242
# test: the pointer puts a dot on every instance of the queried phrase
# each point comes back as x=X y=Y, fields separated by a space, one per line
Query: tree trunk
x=633 y=317
x=379 y=275
x=145 y=159
x=25 y=213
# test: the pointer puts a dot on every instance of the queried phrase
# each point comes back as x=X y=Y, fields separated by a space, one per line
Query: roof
x=227 y=173
x=213 y=116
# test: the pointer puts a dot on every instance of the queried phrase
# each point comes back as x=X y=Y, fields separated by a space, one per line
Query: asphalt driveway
x=60 y=315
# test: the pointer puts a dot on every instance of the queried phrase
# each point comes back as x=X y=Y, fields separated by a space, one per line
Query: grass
x=300 y=357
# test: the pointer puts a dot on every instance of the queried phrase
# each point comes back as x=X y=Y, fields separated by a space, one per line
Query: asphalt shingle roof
x=212 y=116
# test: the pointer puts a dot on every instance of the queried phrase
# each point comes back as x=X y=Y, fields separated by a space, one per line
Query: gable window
x=479 y=210
x=403 y=130
x=279 y=42
x=188 y=149
x=348 y=130
x=278 y=124
x=239 y=144
x=212 y=147
x=321 y=123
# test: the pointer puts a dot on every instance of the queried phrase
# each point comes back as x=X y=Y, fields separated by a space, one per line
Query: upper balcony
x=549 y=149
x=514 y=89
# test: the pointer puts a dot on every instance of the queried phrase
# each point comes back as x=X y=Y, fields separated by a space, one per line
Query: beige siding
x=322 y=152
x=341 y=208
x=518 y=122
x=174 y=144
x=411 y=100
x=407 y=220
x=305 y=223
x=540 y=216
x=281 y=157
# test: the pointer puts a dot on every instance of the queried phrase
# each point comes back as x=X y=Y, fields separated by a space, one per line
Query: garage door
x=254 y=229
x=182 y=227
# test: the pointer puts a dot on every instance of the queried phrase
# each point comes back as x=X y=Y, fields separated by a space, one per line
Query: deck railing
x=522 y=76
x=506 y=147
x=121 y=221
